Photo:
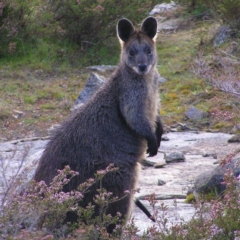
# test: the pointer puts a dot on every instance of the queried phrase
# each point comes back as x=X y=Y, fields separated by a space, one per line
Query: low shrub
x=225 y=10
x=83 y=25
x=40 y=210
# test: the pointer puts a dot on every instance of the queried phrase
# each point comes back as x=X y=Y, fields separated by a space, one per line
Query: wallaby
x=118 y=125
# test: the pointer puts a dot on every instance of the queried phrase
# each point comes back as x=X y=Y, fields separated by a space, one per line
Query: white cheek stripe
x=146 y=72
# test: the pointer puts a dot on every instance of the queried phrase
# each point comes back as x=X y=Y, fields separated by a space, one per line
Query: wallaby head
x=138 y=46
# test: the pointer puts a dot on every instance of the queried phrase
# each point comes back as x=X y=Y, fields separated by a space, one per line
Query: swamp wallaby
x=118 y=125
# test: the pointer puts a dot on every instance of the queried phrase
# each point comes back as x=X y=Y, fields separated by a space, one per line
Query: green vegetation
x=46 y=34
x=190 y=198
x=225 y=10
x=41 y=66
x=43 y=217
x=43 y=52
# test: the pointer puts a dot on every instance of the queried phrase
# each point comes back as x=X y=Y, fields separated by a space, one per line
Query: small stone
x=148 y=163
x=163 y=196
x=18 y=114
x=235 y=138
x=162 y=80
x=159 y=165
x=161 y=182
x=195 y=114
x=224 y=33
x=53 y=128
x=214 y=155
x=163 y=7
x=235 y=129
x=174 y=157
x=102 y=68
x=93 y=83
x=173 y=130
x=165 y=138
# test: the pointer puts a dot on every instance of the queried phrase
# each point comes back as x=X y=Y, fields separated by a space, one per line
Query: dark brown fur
x=117 y=125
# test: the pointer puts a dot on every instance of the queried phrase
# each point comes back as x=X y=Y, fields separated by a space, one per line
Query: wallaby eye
x=149 y=51
x=132 y=53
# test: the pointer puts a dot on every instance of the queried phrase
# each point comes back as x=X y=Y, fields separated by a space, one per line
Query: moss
x=29 y=99
x=48 y=106
x=171 y=96
x=190 y=198
x=209 y=196
x=185 y=91
x=223 y=124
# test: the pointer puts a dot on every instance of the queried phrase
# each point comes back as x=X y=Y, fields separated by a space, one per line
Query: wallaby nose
x=142 y=67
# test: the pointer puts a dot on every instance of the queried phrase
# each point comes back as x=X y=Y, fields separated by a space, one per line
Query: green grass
x=29 y=99
x=43 y=73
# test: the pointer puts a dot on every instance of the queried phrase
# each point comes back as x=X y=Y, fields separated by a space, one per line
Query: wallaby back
x=117 y=125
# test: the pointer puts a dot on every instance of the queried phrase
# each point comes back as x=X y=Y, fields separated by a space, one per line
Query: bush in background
x=92 y=21
x=85 y=25
x=227 y=11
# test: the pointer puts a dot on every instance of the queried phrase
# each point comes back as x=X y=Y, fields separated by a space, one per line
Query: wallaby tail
x=144 y=209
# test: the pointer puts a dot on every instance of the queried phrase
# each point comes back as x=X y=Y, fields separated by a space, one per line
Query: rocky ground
x=202 y=152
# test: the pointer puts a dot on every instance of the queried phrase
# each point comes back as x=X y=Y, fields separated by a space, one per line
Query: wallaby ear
x=149 y=27
x=124 y=29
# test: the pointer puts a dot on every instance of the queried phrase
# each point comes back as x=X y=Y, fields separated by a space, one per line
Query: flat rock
x=148 y=163
x=93 y=83
x=159 y=164
x=161 y=182
x=223 y=34
x=211 y=181
x=162 y=80
x=210 y=154
x=169 y=25
x=235 y=138
x=163 y=7
x=165 y=138
x=163 y=196
x=195 y=114
x=174 y=157
x=102 y=68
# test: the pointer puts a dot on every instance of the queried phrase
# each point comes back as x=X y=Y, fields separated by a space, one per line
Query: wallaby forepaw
x=152 y=149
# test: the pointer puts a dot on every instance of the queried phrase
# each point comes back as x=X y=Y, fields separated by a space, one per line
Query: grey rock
x=20 y=159
x=162 y=80
x=174 y=130
x=211 y=181
x=165 y=138
x=161 y=182
x=174 y=157
x=17 y=114
x=163 y=196
x=235 y=138
x=102 y=68
x=210 y=154
x=6 y=147
x=223 y=34
x=93 y=83
x=235 y=128
x=159 y=165
x=195 y=114
x=52 y=129
x=148 y=163
x=163 y=7
x=185 y=127
x=169 y=25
